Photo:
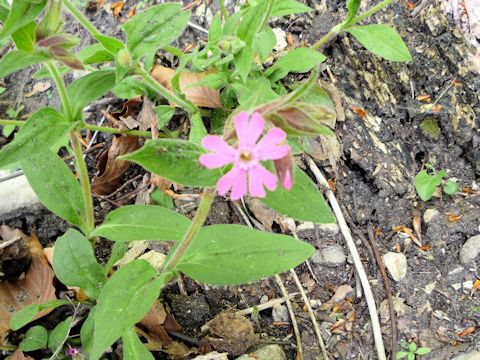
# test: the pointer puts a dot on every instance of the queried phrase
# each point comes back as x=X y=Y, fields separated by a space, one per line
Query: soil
x=381 y=154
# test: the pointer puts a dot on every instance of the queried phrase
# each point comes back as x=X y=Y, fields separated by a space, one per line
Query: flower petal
x=268 y=179
x=239 y=188
x=217 y=144
x=287 y=181
x=255 y=184
x=274 y=136
x=242 y=127
x=257 y=124
x=216 y=160
x=274 y=152
x=226 y=182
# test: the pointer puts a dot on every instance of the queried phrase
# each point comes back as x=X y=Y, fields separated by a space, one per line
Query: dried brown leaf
x=153 y=323
x=39 y=88
x=417 y=225
x=35 y=288
x=117 y=8
x=199 y=95
x=19 y=355
x=147 y=117
x=112 y=169
x=359 y=111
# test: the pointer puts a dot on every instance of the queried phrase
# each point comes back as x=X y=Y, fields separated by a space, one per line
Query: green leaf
x=299 y=60
x=86 y=332
x=264 y=43
x=7 y=130
x=56 y=186
x=35 y=338
x=303 y=202
x=24 y=37
x=143 y=222
x=176 y=160
x=250 y=22
x=430 y=128
x=164 y=115
x=215 y=31
x=110 y=44
x=197 y=129
x=94 y=54
x=125 y=300
x=401 y=354
x=160 y=198
x=352 y=6
x=412 y=347
x=243 y=62
x=155 y=28
x=426 y=184
x=242 y=254
x=289 y=7
x=118 y=250
x=75 y=265
x=381 y=40
x=21 y=13
x=133 y=348
x=45 y=130
x=411 y=356
x=18 y=59
x=130 y=87
x=29 y=312
x=451 y=187
x=89 y=88
x=59 y=334
x=254 y=92
x=423 y=351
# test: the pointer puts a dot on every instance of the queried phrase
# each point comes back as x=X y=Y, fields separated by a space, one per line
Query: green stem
x=223 y=9
x=57 y=78
x=12 y=122
x=372 y=11
x=341 y=27
x=167 y=94
x=117 y=131
x=179 y=251
x=7 y=348
x=82 y=171
x=81 y=18
x=266 y=15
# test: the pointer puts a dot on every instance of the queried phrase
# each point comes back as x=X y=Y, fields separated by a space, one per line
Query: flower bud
x=283 y=167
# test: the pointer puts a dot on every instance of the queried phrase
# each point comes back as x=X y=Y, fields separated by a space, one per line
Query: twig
x=311 y=313
x=268 y=305
x=60 y=347
x=298 y=338
x=372 y=308
x=9 y=242
x=388 y=289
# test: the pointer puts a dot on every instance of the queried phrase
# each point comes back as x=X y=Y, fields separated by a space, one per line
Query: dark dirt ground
x=380 y=155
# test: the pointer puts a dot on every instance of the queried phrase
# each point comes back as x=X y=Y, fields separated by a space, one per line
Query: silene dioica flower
x=246 y=157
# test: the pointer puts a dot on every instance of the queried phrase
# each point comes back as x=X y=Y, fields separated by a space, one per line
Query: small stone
x=280 y=313
x=281 y=37
x=429 y=214
x=470 y=250
x=468 y=285
x=456 y=286
x=268 y=352
x=342 y=292
x=396 y=264
x=332 y=255
x=16 y=196
x=263 y=299
x=328 y=229
x=212 y=356
x=472 y=355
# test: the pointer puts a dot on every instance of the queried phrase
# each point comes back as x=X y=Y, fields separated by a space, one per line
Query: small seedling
x=411 y=351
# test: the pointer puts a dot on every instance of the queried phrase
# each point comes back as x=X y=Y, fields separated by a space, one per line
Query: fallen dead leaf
x=406 y=230
x=131 y=11
x=39 y=88
x=476 y=285
x=425 y=98
x=13 y=251
x=199 y=95
x=468 y=331
x=417 y=226
x=453 y=217
x=19 y=355
x=153 y=324
x=35 y=288
x=147 y=117
x=111 y=169
x=117 y=8
x=359 y=111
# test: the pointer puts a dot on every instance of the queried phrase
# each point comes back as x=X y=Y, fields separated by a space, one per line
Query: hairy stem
x=147 y=134
x=223 y=9
x=12 y=122
x=371 y=11
x=167 y=94
x=80 y=163
x=179 y=251
x=81 y=18
x=57 y=78
x=82 y=171
x=266 y=15
x=333 y=32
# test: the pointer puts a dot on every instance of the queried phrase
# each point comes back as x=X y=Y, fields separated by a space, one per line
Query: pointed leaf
x=129 y=294
x=176 y=160
x=29 y=312
x=89 y=88
x=133 y=348
x=155 y=28
x=45 y=130
x=289 y=7
x=381 y=40
x=56 y=186
x=35 y=338
x=242 y=254
x=21 y=13
x=299 y=60
x=143 y=222
x=303 y=202
x=75 y=265
x=18 y=59
x=59 y=334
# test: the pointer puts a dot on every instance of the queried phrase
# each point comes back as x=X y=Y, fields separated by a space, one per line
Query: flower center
x=245 y=156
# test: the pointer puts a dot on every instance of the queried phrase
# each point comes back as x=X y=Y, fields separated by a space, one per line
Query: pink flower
x=246 y=157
